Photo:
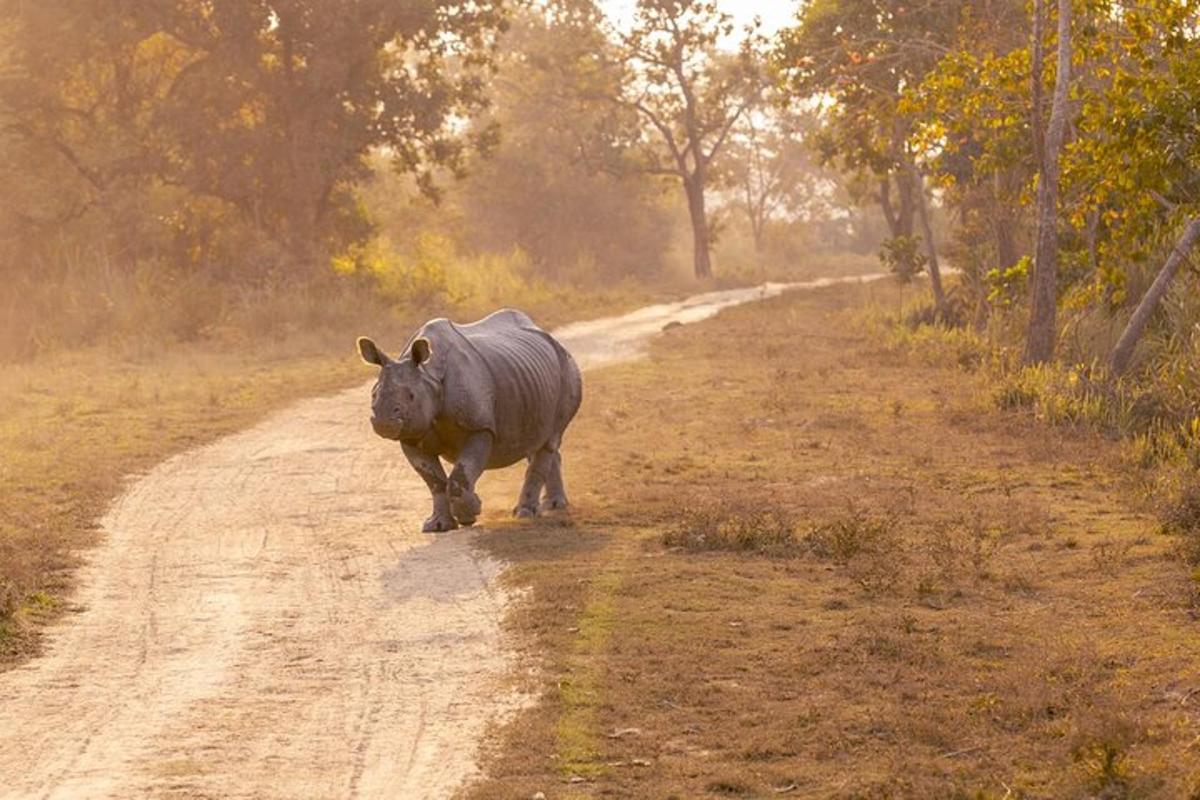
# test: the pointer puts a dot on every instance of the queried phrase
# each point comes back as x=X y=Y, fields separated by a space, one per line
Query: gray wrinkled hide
x=482 y=396
x=502 y=374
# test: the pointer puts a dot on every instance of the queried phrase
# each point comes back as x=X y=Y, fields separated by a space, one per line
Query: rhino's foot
x=556 y=503
x=524 y=512
x=439 y=523
x=465 y=505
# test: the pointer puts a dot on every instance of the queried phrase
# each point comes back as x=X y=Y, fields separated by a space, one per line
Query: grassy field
x=74 y=427
x=802 y=565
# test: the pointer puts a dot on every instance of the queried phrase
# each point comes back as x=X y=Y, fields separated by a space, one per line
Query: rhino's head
x=406 y=397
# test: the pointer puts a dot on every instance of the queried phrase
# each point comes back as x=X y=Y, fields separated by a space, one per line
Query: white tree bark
x=1123 y=352
x=1039 y=342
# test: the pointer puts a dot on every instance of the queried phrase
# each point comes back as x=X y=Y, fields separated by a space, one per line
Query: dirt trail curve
x=264 y=620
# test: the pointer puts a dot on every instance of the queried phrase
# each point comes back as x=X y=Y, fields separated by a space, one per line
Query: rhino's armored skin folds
x=482 y=396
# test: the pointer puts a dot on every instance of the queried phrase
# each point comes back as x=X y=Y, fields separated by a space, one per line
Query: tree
x=859 y=59
x=78 y=107
x=560 y=182
x=979 y=118
x=1123 y=352
x=1039 y=344
x=690 y=96
x=287 y=98
x=770 y=167
x=1143 y=116
x=268 y=109
x=971 y=132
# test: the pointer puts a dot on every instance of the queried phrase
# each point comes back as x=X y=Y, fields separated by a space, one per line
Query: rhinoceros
x=482 y=396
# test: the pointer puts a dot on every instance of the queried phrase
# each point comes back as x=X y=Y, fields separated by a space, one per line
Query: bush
x=736 y=527
x=843 y=539
x=866 y=546
x=937 y=346
x=1180 y=516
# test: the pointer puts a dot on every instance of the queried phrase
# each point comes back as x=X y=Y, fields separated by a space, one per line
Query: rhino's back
x=534 y=383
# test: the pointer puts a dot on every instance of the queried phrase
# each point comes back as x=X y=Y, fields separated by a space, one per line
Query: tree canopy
x=263 y=112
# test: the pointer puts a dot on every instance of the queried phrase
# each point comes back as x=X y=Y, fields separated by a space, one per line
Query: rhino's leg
x=465 y=505
x=430 y=469
x=541 y=464
x=555 y=497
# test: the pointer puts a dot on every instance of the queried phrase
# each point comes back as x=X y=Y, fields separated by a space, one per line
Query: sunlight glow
x=775 y=14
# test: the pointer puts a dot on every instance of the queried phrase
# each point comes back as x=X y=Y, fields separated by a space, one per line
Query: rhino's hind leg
x=555 y=496
x=541 y=465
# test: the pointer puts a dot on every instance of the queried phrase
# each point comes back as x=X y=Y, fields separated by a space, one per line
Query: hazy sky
x=774 y=13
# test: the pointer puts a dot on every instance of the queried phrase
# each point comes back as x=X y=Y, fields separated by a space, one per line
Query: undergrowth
x=771 y=530
x=134 y=311
x=731 y=526
x=1154 y=409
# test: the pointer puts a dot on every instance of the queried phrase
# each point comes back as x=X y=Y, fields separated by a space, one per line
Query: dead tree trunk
x=1123 y=352
x=1039 y=342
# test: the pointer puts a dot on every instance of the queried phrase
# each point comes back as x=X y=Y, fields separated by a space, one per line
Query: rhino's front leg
x=430 y=469
x=465 y=505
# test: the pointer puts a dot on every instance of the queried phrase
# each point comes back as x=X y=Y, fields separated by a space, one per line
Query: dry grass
x=734 y=527
x=874 y=585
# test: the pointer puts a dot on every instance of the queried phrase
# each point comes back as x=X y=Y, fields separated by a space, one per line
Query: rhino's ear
x=422 y=350
x=371 y=353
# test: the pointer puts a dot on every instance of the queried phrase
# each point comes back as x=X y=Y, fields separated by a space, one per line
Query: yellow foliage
x=432 y=272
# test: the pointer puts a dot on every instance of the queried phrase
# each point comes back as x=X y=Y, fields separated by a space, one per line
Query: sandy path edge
x=264 y=620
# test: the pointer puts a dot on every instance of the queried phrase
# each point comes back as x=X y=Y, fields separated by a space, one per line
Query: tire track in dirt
x=264 y=620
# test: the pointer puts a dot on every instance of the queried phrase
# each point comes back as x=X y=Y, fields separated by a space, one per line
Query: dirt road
x=265 y=620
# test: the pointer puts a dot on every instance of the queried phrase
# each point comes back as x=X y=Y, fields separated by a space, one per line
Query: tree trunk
x=899 y=219
x=904 y=219
x=905 y=186
x=1122 y=353
x=1037 y=62
x=1003 y=223
x=935 y=271
x=757 y=216
x=1006 y=246
x=700 y=236
x=1039 y=342
x=885 y=203
x=758 y=230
